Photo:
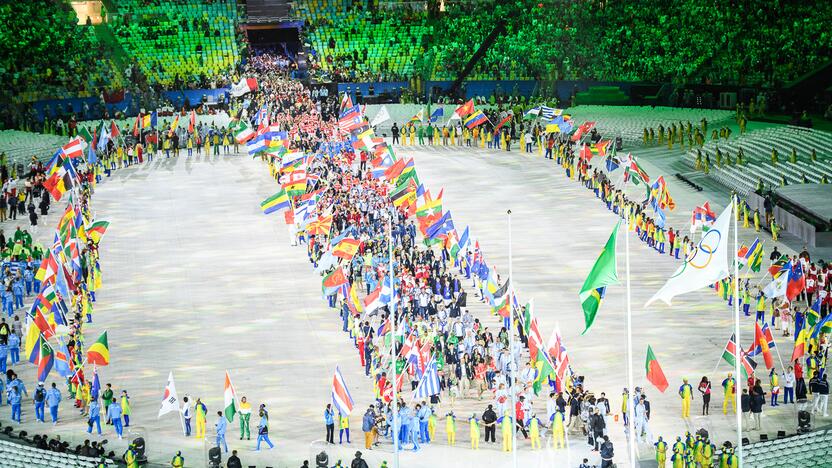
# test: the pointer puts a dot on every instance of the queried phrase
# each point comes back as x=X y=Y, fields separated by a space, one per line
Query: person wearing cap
x=53 y=399
x=474 y=424
x=558 y=429
x=358 y=462
x=39 y=399
x=178 y=461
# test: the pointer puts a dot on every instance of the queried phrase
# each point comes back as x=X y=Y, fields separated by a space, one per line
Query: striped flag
x=429 y=384
x=341 y=397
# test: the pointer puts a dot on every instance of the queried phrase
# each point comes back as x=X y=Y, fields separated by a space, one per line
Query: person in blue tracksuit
x=14 y=348
x=423 y=413
x=8 y=301
x=28 y=280
x=39 y=399
x=14 y=401
x=4 y=355
x=95 y=417
x=53 y=399
x=221 y=426
x=114 y=416
x=263 y=431
x=17 y=291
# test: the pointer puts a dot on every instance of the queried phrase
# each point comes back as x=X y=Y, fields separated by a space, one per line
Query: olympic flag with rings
x=706 y=264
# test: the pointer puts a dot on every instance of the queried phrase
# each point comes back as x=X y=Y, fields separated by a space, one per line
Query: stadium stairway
x=105 y=36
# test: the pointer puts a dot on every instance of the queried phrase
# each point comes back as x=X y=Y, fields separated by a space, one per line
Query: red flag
x=465 y=109
x=192 y=124
x=114 y=131
x=136 y=125
x=762 y=342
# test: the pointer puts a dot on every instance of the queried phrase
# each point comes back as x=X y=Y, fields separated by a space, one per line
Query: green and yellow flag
x=603 y=274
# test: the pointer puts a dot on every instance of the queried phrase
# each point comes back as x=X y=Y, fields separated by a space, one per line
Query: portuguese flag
x=99 y=352
x=654 y=371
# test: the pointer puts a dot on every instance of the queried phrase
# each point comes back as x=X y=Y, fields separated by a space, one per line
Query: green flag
x=602 y=275
x=544 y=370
x=527 y=316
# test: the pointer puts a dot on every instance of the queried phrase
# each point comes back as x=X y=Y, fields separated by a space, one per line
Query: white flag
x=381 y=116
x=170 y=402
x=705 y=265
x=777 y=288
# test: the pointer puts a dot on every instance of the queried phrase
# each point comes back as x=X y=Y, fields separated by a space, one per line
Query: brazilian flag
x=603 y=274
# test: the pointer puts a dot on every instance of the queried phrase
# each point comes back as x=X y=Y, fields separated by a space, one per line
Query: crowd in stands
x=46 y=54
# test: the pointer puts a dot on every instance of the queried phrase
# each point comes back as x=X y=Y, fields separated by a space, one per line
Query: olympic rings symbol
x=702 y=255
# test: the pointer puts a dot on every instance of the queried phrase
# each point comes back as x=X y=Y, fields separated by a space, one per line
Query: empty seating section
x=178 y=39
x=21 y=146
x=805 y=451
x=353 y=41
x=757 y=147
x=15 y=455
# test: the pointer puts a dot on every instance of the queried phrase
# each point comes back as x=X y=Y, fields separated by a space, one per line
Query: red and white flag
x=246 y=85
x=74 y=148
x=341 y=397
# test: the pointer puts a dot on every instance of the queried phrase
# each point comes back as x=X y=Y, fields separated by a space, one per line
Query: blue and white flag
x=429 y=384
x=439 y=112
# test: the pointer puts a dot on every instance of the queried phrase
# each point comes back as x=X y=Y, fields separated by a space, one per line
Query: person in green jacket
x=420 y=133
x=107 y=398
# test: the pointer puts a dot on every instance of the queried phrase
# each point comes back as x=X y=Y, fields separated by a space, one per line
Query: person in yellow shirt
x=201 y=415
x=506 y=426
x=473 y=422
x=534 y=431
x=558 y=439
x=245 y=418
x=413 y=134
x=729 y=386
x=450 y=428
x=686 y=394
x=452 y=132
x=343 y=427
x=432 y=425
x=661 y=452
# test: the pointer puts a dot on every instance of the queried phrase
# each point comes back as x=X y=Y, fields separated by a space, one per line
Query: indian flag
x=230 y=399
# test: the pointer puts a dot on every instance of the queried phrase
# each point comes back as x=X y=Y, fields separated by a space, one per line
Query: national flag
x=350 y=119
x=502 y=122
x=463 y=110
x=174 y=125
x=192 y=121
x=532 y=113
x=600 y=148
x=796 y=282
x=602 y=274
x=85 y=134
x=655 y=375
x=659 y=196
x=429 y=384
x=75 y=148
x=745 y=253
x=582 y=130
x=170 y=401
x=439 y=112
x=62 y=363
x=243 y=132
x=755 y=256
x=332 y=281
x=381 y=116
x=229 y=397
x=800 y=344
x=419 y=117
x=442 y=226
x=154 y=119
x=96 y=230
x=822 y=327
x=62 y=180
x=245 y=85
x=611 y=163
x=95 y=387
x=373 y=301
x=46 y=360
x=276 y=202
x=639 y=174
x=32 y=344
x=779 y=286
x=704 y=266
x=347 y=248
x=729 y=354
x=763 y=342
x=405 y=196
x=294 y=183
x=341 y=398
x=545 y=368
x=477 y=118
x=353 y=302
x=99 y=352
x=43 y=325
x=461 y=244
x=780 y=266
x=703 y=217
x=346 y=102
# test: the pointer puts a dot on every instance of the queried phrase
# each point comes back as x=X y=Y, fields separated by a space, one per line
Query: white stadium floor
x=198 y=281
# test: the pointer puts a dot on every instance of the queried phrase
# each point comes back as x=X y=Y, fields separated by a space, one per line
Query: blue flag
x=439 y=112
x=443 y=225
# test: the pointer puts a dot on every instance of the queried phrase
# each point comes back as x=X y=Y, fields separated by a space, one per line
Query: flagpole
x=511 y=349
x=737 y=352
x=394 y=402
x=630 y=380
